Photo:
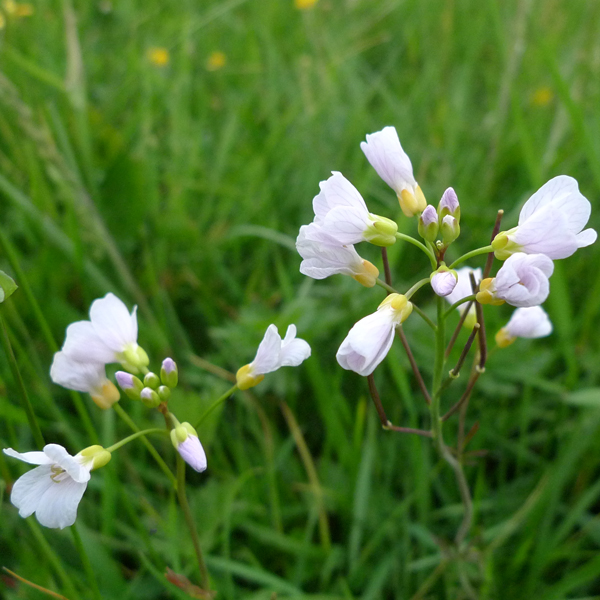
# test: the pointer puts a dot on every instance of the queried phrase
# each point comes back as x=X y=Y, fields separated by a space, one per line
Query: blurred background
x=168 y=152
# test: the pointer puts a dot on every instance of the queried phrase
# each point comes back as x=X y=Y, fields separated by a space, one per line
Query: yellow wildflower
x=217 y=60
x=17 y=9
x=304 y=4
x=542 y=96
x=158 y=56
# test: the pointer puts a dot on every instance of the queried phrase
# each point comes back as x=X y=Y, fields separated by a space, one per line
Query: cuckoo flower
x=109 y=336
x=322 y=259
x=531 y=322
x=54 y=489
x=384 y=152
x=186 y=442
x=369 y=341
x=87 y=377
x=273 y=353
x=428 y=224
x=462 y=290
x=449 y=205
x=522 y=281
x=343 y=218
x=550 y=223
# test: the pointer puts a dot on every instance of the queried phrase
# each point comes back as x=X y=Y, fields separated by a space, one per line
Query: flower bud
x=149 y=397
x=443 y=281
x=450 y=229
x=186 y=442
x=449 y=205
x=382 y=231
x=151 y=380
x=164 y=393
x=97 y=455
x=169 y=373
x=246 y=379
x=428 y=224
x=130 y=384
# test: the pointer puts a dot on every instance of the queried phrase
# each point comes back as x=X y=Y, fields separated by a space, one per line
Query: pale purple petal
x=337 y=191
x=586 y=238
x=192 y=452
x=532 y=322
x=443 y=283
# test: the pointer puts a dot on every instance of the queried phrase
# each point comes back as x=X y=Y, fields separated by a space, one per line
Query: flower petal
x=294 y=351
x=29 y=489
x=73 y=467
x=33 y=458
x=192 y=452
x=57 y=507
x=267 y=357
x=85 y=345
x=74 y=375
x=113 y=323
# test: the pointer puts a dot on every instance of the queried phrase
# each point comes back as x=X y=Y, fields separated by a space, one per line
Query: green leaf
x=7 y=286
x=586 y=397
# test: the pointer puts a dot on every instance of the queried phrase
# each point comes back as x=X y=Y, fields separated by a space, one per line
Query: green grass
x=182 y=190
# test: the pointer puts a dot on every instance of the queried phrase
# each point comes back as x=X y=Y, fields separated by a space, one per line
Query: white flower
x=369 y=341
x=462 y=290
x=186 y=442
x=54 y=489
x=522 y=281
x=384 y=152
x=109 y=336
x=343 y=218
x=87 y=377
x=272 y=354
x=550 y=223
x=322 y=259
x=531 y=322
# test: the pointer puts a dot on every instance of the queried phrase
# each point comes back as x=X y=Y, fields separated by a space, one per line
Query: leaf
x=7 y=286
x=586 y=397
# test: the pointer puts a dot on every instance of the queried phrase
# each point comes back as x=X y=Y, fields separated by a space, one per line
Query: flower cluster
x=550 y=227
x=54 y=489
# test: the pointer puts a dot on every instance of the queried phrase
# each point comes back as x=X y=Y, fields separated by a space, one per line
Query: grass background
x=181 y=189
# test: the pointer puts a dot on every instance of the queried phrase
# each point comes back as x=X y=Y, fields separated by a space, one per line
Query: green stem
x=214 y=405
x=468 y=255
x=416 y=287
x=157 y=457
x=134 y=436
x=25 y=402
x=87 y=565
x=386 y=287
x=436 y=427
x=418 y=244
x=187 y=514
x=457 y=304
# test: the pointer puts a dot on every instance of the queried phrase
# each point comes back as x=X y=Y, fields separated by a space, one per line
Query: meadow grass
x=181 y=188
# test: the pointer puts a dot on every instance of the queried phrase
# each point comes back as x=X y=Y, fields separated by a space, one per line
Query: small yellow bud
x=504 y=339
x=304 y=4
x=108 y=396
x=486 y=295
x=369 y=275
x=382 y=231
x=245 y=379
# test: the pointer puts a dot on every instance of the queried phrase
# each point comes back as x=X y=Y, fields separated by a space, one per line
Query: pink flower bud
x=443 y=282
